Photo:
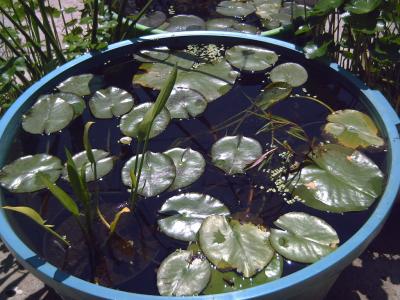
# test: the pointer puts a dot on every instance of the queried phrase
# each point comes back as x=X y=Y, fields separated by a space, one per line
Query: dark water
x=128 y=271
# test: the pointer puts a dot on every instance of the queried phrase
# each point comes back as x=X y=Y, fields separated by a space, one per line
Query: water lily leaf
x=152 y=55
x=341 y=179
x=210 y=80
x=189 y=165
x=265 y=10
x=313 y=51
x=291 y=73
x=246 y=28
x=362 y=6
x=323 y=7
x=21 y=176
x=221 y=24
x=353 y=129
x=153 y=19
x=188 y=213
x=250 y=58
x=130 y=122
x=223 y=282
x=272 y=94
x=235 y=8
x=78 y=104
x=298 y=11
x=104 y=164
x=303 y=238
x=185 y=103
x=49 y=114
x=185 y=23
x=233 y=153
x=183 y=273
x=110 y=102
x=232 y=245
x=81 y=85
x=157 y=175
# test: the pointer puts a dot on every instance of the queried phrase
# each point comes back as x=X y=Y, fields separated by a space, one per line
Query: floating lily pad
x=291 y=73
x=189 y=165
x=233 y=153
x=110 y=102
x=246 y=28
x=303 y=238
x=153 y=19
x=130 y=122
x=157 y=175
x=81 y=85
x=353 y=129
x=221 y=24
x=152 y=55
x=78 y=104
x=189 y=211
x=49 y=114
x=265 y=10
x=341 y=179
x=235 y=8
x=223 y=282
x=185 y=103
x=183 y=273
x=104 y=164
x=185 y=23
x=250 y=58
x=20 y=176
x=232 y=245
x=362 y=6
x=273 y=93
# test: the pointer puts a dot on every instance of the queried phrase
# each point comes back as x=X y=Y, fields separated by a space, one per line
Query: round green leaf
x=185 y=23
x=183 y=273
x=153 y=19
x=110 y=102
x=80 y=85
x=185 y=103
x=273 y=93
x=340 y=180
x=233 y=153
x=313 y=51
x=152 y=55
x=303 y=238
x=189 y=165
x=78 y=104
x=104 y=164
x=362 y=6
x=323 y=7
x=291 y=73
x=265 y=10
x=49 y=114
x=130 y=122
x=250 y=58
x=221 y=24
x=20 y=176
x=189 y=211
x=235 y=8
x=246 y=28
x=157 y=174
x=353 y=129
x=223 y=282
x=244 y=247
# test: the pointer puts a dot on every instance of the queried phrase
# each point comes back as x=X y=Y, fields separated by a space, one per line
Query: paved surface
x=375 y=275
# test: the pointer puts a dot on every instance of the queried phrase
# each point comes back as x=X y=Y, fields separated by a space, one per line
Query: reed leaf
x=117 y=217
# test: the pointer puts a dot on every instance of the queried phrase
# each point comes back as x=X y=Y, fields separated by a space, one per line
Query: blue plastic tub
x=312 y=282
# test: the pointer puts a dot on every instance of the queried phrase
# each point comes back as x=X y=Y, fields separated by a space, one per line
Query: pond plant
x=273 y=170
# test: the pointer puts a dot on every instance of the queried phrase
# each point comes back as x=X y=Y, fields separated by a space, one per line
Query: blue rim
x=379 y=107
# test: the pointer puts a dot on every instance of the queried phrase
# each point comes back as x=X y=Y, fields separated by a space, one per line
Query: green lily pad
x=153 y=19
x=189 y=211
x=20 y=176
x=78 y=104
x=223 y=282
x=221 y=24
x=185 y=103
x=362 y=6
x=272 y=94
x=250 y=58
x=110 y=102
x=130 y=122
x=313 y=51
x=303 y=238
x=353 y=129
x=152 y=55
x=323 y=7
x=183 y=273
x=232 y=245
x=104 y=164
x=235 y=8
x=49 y=114
x=246 y=28
x=233 y=153
x=81 y=85
x=291 y=73
x=157 y=175
x=340 y=180
x=265 y=10
x=189 y=165
x=185 y=23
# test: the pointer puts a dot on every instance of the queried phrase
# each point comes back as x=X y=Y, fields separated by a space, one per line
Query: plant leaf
x=303 y=238
x=313 y=51
x=185 y=23
x=235 y=9
x=185 y=103
x=87 y=145
x=110 y=102
x=81 y=85
x=189 y=211
x=291 y=73
x=117 y=217
x=250 y=58
x=362 y=6
x=273 y=93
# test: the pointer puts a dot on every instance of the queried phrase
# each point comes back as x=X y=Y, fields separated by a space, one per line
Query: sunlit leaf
x=235 y=8
x=81 y=85
x=185 y=23
x=291 y=73
x=362 y=6
x=110 y=102
x=272 y=94
x=185 y=103
x=250 y=58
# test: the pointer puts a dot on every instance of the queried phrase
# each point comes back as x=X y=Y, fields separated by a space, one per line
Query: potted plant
x=230 y=196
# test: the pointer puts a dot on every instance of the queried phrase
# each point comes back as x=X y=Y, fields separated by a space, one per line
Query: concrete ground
x=375 y=275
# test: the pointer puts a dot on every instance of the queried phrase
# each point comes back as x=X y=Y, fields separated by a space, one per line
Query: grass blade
x=117 y=217
x=76 y=180
x=86 y=143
